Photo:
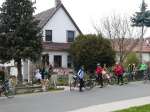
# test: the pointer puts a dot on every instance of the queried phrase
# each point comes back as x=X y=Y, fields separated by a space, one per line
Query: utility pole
x=141 y=44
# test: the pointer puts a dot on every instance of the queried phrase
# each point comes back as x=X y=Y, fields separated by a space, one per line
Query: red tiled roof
x=136 y=48
x=50 y=46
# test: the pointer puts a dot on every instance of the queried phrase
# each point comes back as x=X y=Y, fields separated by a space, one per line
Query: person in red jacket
x=118 y=70
x=98 y=71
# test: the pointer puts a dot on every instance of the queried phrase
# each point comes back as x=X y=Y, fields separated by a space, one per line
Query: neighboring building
x=134 y=46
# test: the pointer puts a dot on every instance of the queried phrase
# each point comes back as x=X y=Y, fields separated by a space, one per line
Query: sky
x=86 y=13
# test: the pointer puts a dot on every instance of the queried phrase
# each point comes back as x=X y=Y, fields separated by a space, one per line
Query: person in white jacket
x=38 y=75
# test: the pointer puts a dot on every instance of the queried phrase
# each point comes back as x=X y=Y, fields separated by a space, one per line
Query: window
x=70 y=36
x=48 y=35
x=57 y=61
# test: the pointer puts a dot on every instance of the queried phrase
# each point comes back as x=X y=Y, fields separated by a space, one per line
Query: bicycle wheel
x=9 y=93
x=89 y=84
x=113 y=81
x=73 y=85
x=125 y=79
x=145 y=79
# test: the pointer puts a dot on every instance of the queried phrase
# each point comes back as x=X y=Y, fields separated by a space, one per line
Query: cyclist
x=80 y=75
x=99 y=70
x=130 y=71
x=118 y=70
x=143 y=68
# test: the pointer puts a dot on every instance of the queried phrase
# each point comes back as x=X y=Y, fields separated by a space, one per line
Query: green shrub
x=62 y=80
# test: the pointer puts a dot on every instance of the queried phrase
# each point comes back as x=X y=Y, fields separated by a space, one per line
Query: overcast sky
x=87 y=12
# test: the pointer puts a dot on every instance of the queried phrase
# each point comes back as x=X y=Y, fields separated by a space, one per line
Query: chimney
x=57 y=2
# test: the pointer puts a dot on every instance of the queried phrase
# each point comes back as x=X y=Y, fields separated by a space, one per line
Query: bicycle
x=88 y=84
x=108 y=79
x=112 y=79
x=125 y=77
x=146 y=78
x=7 y=90
x=75 y=83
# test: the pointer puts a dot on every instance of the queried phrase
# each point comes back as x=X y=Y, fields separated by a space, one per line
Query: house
x=58 y=31
x=133 y=45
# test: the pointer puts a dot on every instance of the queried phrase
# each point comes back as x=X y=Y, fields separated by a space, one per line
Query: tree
x=118 y=29
x=20 y=36
x=88 y=50
x=131 y=59
x=141 y=19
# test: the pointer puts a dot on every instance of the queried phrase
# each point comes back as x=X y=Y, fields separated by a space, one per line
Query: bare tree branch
x=124 y=38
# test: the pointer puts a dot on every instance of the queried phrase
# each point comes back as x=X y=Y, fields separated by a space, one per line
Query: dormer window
x=70 y=36
x=48 y=35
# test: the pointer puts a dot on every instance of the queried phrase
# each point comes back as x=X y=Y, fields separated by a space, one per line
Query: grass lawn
x=145 y=108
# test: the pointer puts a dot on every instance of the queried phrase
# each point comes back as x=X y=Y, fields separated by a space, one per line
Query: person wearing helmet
x=98 y=71
x=119 y=70
x=80 y=75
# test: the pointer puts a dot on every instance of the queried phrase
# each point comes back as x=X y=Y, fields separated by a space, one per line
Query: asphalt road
x=67 y=101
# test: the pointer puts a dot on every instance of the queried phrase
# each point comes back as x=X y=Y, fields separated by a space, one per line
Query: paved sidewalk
x=66 y=88
x=109 y=107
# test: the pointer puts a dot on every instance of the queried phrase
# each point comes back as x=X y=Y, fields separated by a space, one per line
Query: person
x=99 y=70
x=46 y=72
x=118 y=70
x=106 y=74
x=42 y=72
x=50 y=71
x=134 y=71
x=38 y=75
x=130 y=71
x=143 y=68
x=80 y=75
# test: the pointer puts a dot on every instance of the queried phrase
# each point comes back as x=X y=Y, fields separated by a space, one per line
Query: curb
x=118 y=105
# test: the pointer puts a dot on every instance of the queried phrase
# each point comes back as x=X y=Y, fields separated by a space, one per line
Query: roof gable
x=45 y=16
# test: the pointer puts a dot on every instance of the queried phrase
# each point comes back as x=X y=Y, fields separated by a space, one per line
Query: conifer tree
x=141 y=19
x=20 y=36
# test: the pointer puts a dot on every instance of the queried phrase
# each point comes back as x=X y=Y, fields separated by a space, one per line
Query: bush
x=62 y=80
x=88 y=50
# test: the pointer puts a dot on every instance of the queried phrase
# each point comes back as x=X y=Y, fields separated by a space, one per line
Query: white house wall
x=145 y=57
x=63 y=54
x=59 y=24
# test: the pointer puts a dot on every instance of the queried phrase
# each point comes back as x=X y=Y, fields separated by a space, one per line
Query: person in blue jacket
x=81 y=76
